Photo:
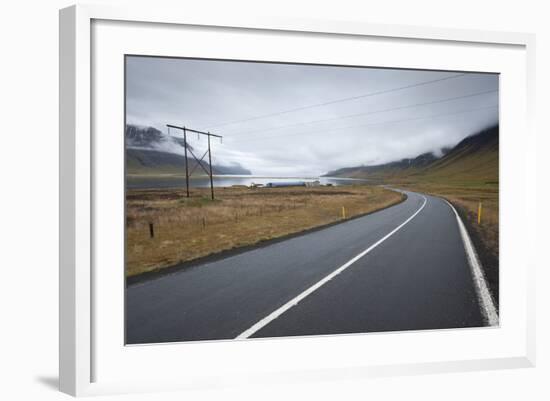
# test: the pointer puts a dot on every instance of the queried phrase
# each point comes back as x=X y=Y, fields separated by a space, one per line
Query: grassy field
x=189 y=228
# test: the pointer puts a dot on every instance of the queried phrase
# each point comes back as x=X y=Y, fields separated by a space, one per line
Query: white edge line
x=486 y=300
x=294 y=301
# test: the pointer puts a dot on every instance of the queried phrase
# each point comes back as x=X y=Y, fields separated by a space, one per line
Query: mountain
x=150 y=152
x=149 y=137
x=397 y=168
x=473 y=158
x=151 y=162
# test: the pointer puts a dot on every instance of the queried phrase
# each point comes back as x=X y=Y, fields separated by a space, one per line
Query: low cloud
x=280 y=119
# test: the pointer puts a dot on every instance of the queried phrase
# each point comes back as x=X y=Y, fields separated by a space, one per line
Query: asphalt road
x=416 y=278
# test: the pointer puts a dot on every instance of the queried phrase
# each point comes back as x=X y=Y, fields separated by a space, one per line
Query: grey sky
x=277 y=139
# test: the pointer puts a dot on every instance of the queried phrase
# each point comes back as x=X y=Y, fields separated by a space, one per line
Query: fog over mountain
x=149 y=150
x=138 y=137
x=289 y=120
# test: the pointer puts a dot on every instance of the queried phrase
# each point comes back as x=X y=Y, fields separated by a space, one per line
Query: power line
x=336 y=101
x=368 y=125
x=369 y=112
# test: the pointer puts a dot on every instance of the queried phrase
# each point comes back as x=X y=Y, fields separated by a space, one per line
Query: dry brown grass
x=191 y=228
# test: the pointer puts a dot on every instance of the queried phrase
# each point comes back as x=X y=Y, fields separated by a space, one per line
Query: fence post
x=151 y=231
x=479 y=213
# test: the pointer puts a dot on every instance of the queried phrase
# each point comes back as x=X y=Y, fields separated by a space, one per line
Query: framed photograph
x=250 y=201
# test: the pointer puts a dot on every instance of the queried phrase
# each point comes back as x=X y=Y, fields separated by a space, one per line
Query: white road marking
x=488 y=308
x=294 y=301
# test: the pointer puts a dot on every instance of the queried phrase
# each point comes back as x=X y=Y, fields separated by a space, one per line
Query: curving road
x=402 y=268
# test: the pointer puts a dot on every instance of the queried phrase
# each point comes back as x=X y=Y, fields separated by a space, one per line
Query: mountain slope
x=150 y=152
x=474 y=158
x=153 y=162
x=149 y=137
x=387 y=170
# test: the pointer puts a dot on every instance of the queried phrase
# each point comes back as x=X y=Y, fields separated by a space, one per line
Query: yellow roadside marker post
x=343 y=212
x=479 y=213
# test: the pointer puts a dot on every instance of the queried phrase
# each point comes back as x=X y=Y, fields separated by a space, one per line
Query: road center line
x=294 y=301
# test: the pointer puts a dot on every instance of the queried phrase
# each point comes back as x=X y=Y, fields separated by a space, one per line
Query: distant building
x=315 y=183
x=285 y=184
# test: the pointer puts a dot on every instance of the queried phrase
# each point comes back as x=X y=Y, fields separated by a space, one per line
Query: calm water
x=133 y=182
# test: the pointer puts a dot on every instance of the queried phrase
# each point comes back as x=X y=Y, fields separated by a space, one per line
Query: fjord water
x=145 y=182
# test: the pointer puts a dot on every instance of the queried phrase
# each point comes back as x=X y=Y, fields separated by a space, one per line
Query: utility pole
x=198 y=160
x=210 y=164
x=186 y=166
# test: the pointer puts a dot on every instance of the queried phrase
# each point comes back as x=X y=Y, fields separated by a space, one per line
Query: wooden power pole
x=198 y=160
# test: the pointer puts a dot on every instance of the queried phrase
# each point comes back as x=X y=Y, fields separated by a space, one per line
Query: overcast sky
x=291 y=120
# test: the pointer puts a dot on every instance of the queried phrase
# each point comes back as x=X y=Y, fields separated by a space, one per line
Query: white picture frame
x=83 y=349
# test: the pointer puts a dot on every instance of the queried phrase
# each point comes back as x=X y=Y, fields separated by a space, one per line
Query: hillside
x=387 y=170
x=153 y=162
x=149 y=137
x=475 y=158
x=150 y=152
